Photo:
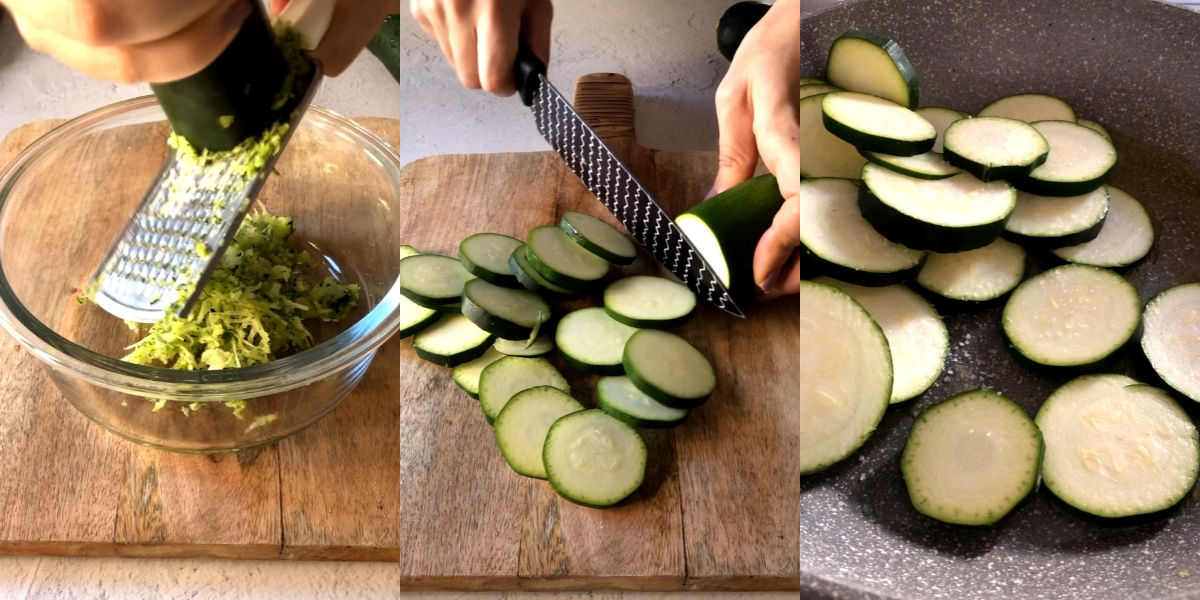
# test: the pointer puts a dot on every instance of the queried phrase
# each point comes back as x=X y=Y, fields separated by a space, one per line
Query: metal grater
x=180 y=230
x=614 y=184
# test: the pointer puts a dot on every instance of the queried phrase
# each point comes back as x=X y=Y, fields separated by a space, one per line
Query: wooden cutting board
x=406 y=470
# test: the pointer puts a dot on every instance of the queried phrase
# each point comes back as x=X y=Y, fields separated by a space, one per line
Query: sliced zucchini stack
x=839 y=407
x=466 y=375
x=861 y=61
x=725 y=229
x=1171 y=338
x=1071 y=316
x=837 y=157
x=917 y=338
x=837 y=240
x=945 y=215
x=451 y=341
x=413 y=316
x=531 y=280
x=556 y=257
x=668 y=368
x=522 y=426
x=593 y=342
x=433 y=281
x=995 y=147
x=1046 y=222
x=651 y=302
x=485 y=255
x=1125 y=237
x=1079 y=161
x=599 y=238
x=873 y=124
x=978 y=275
x=594 y=459
x=504 y=312
x=1117 y=448
x=971 y=459
x=503 y=379
x=619 y=397
x=1030 y=108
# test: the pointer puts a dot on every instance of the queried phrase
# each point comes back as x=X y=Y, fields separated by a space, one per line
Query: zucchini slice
x=432 y=280
x=669 y=369
x=599 y=238
x=929 y=165
x=414 y=317
x=725 y=229
x=451 y=341
x=813 y=89
x=646 y=301
x=485 y=255
x=838 y=241
x=809 y=80
x=917 y=338
x=839 y=407
x=1079 y=161
x=503 y=379
x=995 y=147
x=1117 y=448
x=836 y=157
x=1071 y=316
x=534 y=282
x=971 y=459
x=978 y=275
x=522 y=425
x=877 y=125
x=504 y=312
x=861 y=61
x=593 y=342
x=945 y=215
x=1094 y=126
x=941 y=118
x=561 y=261
x=540 y=346
x=1125 y=237
x=1171 y=338
x=1030 y=108
x=594 y=459
x=467 y=374
x=1047 y=222
x=619 y=397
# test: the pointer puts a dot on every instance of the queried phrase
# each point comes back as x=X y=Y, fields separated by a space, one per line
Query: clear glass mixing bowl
x=63 y=202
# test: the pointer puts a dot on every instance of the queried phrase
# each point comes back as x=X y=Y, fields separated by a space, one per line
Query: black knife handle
x=525 y=72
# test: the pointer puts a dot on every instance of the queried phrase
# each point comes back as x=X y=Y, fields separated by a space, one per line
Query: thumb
x=738 y=151
x=277 y=6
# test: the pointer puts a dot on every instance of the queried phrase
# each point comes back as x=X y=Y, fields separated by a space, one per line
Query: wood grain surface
x=406 y=469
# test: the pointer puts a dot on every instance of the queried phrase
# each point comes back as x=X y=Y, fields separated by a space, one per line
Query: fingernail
x=768 y=285
x=237 y=15
x=711 y=192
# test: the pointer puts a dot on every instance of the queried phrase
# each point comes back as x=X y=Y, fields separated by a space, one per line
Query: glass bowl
x=64 y=200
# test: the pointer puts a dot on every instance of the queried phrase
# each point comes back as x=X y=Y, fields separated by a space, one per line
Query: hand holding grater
x=230 y=122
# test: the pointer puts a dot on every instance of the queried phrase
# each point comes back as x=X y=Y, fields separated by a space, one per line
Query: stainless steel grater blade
x=614 y=184
x=181 y=229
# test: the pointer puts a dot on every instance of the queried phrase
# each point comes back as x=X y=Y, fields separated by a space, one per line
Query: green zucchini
x=836 y=158
x=647 y=301
x=255 y=82
x=735 y=23
x=876 y=125
x=994 y=147
x=599 y=238
x=861 y=61
x=522 y=425
x=504 y=312
x=485 y=255
x=668 y=368
x=1079 y=161
x=554 y=255
x=385 y=44
x=1030 y=108
x=594 y=459
x=1171 y=338
x=726 y=228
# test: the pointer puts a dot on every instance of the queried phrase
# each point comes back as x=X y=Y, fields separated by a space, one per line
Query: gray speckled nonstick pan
x=1134 y=66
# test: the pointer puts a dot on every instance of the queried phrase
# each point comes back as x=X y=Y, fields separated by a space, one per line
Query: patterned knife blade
x=614 y=184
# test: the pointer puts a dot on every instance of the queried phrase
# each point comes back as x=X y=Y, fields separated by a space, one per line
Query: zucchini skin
x=534 y=282
x=590 y=369
x=873 y=157
x=738 y=217
x=559 y=279
x=243 y=82
x=917 y=234
x=385 y=45
x=497 y=326
x=1045 y=242
x=811 y=262
x=649 y=323
x=1042 y=187
x=454 y=360
x=991 y=173
x=874 y=143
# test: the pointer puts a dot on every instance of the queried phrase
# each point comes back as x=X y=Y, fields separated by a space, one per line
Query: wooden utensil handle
x=606 y=101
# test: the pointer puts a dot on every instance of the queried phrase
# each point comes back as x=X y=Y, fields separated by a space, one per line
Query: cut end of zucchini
x=705 y=241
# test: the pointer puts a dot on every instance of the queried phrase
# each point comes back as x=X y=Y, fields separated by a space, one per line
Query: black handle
x=526 y=70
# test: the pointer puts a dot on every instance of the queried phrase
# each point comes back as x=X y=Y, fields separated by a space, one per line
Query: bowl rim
x=60 y=354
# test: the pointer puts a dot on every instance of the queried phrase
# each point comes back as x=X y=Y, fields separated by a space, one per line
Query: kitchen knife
x=613 y=183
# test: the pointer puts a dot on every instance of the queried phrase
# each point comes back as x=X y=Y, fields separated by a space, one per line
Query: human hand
x=757 y=118
x=130 y=40
x=353 y=24
x=480 y=37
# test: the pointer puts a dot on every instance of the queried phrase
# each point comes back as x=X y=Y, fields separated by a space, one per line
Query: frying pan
x=1134 y=66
